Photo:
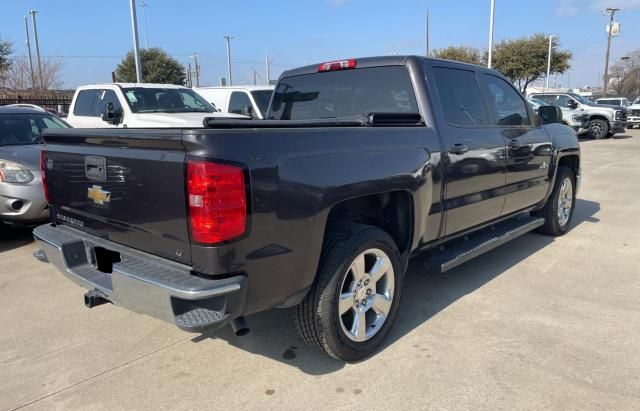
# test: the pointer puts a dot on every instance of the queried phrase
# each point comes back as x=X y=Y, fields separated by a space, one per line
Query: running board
x=461 y=251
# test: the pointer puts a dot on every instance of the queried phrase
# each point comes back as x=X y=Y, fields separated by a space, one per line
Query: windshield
x=344 y=93
x=582 y=99
x=609 y=102
x=22 y=129
x=536 y=102
x=637 y=101
x=165 y=100
x=262 y=98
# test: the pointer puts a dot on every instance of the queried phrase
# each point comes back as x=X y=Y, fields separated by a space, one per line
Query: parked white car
x=134 y=105
x=251 y=101
x=633 y=116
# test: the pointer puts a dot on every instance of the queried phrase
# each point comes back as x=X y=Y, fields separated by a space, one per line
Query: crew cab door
x=528 y=152
x=474 y=152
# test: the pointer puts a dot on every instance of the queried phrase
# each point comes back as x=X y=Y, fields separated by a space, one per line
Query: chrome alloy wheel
x=565 y=201
x=366 y=295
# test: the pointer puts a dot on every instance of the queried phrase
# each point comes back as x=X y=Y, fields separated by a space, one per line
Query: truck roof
x=365 y=62
x=247 y=88
x=128 y=85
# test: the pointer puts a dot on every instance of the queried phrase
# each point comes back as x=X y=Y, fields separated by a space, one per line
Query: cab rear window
x=344 y=93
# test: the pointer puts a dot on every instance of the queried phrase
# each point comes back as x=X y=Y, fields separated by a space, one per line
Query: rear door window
x=239 y=103
x=509 y=108
x=86 y=103
x=344 y=93
x=460 y=97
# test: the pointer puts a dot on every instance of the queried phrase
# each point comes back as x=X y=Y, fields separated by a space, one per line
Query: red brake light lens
x=338 y=65
x=44 y=176
x=217 y=201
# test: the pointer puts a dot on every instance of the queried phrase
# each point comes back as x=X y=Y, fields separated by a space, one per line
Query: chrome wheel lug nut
x=369 y=291
x=364 y=303
x=357 y=304
x=366 y=282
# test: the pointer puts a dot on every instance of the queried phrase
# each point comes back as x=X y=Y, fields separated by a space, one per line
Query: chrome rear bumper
x=141 y=282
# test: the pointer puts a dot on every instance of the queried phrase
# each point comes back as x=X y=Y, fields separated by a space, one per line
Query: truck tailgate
x=127 y=186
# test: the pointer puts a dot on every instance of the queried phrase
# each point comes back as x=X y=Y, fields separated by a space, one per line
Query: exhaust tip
x=240 y=327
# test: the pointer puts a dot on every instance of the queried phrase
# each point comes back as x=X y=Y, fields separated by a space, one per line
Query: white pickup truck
x=251 y=101
x=134 y=105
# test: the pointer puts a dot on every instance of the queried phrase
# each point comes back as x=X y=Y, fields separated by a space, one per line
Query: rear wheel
x=598 y=129
x=354 y=300
x=558 y=211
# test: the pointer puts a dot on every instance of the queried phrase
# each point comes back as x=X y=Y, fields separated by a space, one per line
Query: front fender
x=564 y=142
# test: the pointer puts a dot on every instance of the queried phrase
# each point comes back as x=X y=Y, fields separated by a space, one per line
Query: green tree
x=157 y=67
x=460 y=53
x=524 y=60
x=6 y=49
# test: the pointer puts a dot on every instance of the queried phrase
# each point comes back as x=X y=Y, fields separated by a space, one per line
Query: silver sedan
x=22 y=199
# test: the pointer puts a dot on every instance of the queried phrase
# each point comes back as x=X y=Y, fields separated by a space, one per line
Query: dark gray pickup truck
x=360 y=165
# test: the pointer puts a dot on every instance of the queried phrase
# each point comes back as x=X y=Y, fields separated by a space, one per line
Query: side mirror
x=550 y=114
x=111 y=115
x=572 y=104
x=247 y=111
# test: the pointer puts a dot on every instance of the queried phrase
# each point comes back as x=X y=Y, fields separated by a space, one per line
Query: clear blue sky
x=94 y=35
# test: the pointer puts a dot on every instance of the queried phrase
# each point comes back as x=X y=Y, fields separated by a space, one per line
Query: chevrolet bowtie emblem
x=98 y=195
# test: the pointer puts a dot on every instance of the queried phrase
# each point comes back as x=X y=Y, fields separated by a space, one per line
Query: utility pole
x=427 y=35
x=228 y=39
x=26 y=29
x=612 y=12
x=145 y=6
x=189 y=82
x=490 y=57
x=136 y=44
x=195 y=60
x=35 y=38
x=267 y=63
x=546 y=84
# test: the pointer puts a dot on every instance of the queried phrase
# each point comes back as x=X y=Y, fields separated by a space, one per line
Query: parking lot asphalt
x=540 y=323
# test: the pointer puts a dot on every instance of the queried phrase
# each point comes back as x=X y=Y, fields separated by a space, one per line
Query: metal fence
x=59 y=103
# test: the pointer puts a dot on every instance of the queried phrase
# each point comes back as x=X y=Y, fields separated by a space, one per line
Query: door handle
x=458 y=149
x=514 y=143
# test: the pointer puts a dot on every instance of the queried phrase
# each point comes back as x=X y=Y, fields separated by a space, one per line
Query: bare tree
x=19 y=75
x=625 y=75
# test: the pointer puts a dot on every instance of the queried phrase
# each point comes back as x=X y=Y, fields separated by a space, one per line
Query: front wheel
x=354 y=300
x=598 y=129
x=558 y=211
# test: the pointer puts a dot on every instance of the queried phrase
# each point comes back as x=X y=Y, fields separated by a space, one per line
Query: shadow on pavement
x=14 y=237
x=273 y=333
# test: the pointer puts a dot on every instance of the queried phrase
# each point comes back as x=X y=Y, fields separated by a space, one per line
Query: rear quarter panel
x=296 y=176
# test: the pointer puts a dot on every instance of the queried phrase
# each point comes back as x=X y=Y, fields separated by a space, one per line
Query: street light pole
x=195 y=60
x=612 y=12
x=546 y=84
x=427 y=35
x=146 y=33
x=267 y=63
x=26 y=29
x=490 y=57
x=136 y=44
x=35 y=38
x=228 y=39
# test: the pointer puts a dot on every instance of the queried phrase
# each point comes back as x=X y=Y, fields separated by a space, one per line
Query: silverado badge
x=98 y=195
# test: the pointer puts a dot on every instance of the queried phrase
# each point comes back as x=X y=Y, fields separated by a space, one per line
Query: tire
x=554 y=223
x=318 y=317
x=598 y=129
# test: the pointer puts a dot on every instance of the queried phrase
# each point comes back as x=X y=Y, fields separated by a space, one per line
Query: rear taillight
x=338 y=65
x=44 y=176
x=217 y=201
